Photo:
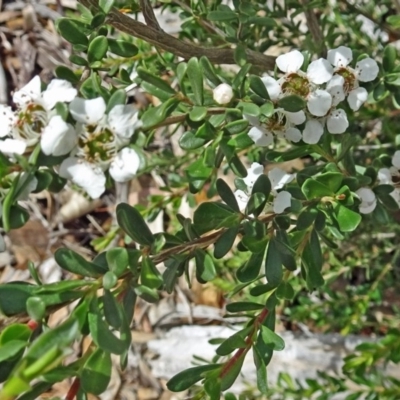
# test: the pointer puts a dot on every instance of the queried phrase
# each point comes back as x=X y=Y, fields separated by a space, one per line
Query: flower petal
x=253 y=173
x=279 y=178
x=367 y=70
x=319 y=71
x=12 y=146
x=296 y=118
x=7 y=120
x=335 y=87
x=396 y=159
x=357 y=97
x=368 y=200
x=223 y=93
x=125 y=165
x=385 y=176
x=123 y=120
x=87 y=111
x=30 y=92
x=319 y=102
x=87 y=176
x=260 y=138
x=337 y=121
x=58 y=137
x=340 y=57
x=282 y=201
x=293 y=134
x=290 y=62
x=312 y=131
x=242 y=199
x=58 y=90
x=273 y=87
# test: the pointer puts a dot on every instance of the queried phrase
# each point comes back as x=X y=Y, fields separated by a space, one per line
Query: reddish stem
x=249 y=342
x=73 y=390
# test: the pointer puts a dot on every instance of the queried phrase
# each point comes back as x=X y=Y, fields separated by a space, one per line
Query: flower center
x=296 y=84
x=97 y=146
x=349 y=79
x=31 y=122
x=276 y=122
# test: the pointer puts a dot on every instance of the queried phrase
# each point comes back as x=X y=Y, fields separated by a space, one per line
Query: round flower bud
x=223 y=93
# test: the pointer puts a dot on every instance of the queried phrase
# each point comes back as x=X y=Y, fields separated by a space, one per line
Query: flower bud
x=223 y=93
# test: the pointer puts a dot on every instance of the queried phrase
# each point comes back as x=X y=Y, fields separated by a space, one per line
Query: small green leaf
x=147 y=294
x=389 y=58
x=227 y=195
x=261 y=371
x=122 y=48
x=117 y=260
x=111 y=310
x=251 y=269
x=347 y=219
x=205 y=268
x=155 y=81
x=306 y=218
x=236 y=341
x=312 y=262
x=117 y=98
x=106 y=5
x=211 y=215
x=209 y=71
x=292 y=103
x=36 y=308
x=313 y=189
x=97 y=49
x=225 y=242
x=212 y=387
x=250 y=109
x=236 y=127
x=71 y=32
x=149 y=275
x=96 y=372
x=258 y=87
x=269 y=337
x=241 y=306
x=222 y=16
x=198 y=113
x=189 y=141
x=67 y=74
x=195 y=75
x=131 y=221
x=273 y=264
x=109 y=280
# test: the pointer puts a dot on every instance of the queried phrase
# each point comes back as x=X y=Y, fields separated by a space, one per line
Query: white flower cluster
x=323 y=87
x=278 y=179
x=93 y=142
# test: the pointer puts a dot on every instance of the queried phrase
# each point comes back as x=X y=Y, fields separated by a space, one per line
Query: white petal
x=357 y=98
x=396 y=159
x=58 y=90
x=337 y=121
x=223 y=93
x=123 y=120
x=312 y=131
x=87 y=176
x=281 y=202
x=30 y=92
x=7 y=120
x=125 y=165
x=319 y=102
x=87 y=111
x=58 y=137
x=273 y=87
x=242 y=199
x=279 y=178
x=290 y=62
x=368 y=200
x=253 y=173
x=396 y=195
x=260 y=138
x=254 y=121
x=385 y=176
x=335 y=87
x=340 y=57
x=293 y=134
x=12 y=146
x=367 y=70
x=296 y=118
x=319 y=71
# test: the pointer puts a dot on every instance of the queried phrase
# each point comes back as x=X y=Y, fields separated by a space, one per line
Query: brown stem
x=176 y=46
x=249 y=342
x=73 y=390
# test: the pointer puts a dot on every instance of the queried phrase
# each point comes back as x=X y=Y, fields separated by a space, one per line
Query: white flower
x=7 y=120
x=368 y=200
x=253 y=173
x=58 y=91
x=312 y=131
x=242 y=199
x=337 y=121
x=123 y=120
x=58 y=137
x=12 y=146
x=88 y=176
x=396 y=159
x=223 y=93
x=125 y=165
x=88 y=112
x=335 y=87
x=366 y=70
x=281 y=201
x=273 y=87
x=261 y=137
x=279 y=178
x=319 y=102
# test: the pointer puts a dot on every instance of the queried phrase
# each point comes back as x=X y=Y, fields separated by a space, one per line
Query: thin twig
x=149 y=16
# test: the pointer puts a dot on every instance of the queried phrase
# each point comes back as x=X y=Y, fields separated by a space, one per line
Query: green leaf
x=313 y=189
x=236 y=127
x=211 y=215
x=258 y=87
x=306 y=218
x=155 y=81
x=106 y=5
x=75 y=263
x=241 y=306
x=36 y=308
x=212 y=387
x=205 y=268
x=117 y=260
x=297 y=152
x=96 y=372
x=147 y=294
x=149 y=275
x=236 y=341
x=122 y=48
x=256 y=203
x=97 y=49
x=15 y=332
x=285 y=291
x=225 y=242
x=198 y=113
x=240 y=55
x=227 y=195
x=222 y=16
x=261 y=371
x=195 y=75
x=229 y=376
x=67 y=74
x=251 y=269
x=250 y=109
x=389 y=58
x=292 y=103
x=347 y=219
x=269 y=337
x=18 y=216
x=131 y=221
x=273 y=264
x=71 y=32
x=187 y=378
x=13 y=297
x=117 y=98
x=189 y=141
x=112 y=311
x=209 y=71
x=11 y=349
x=312 y=262
x=333 y=180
